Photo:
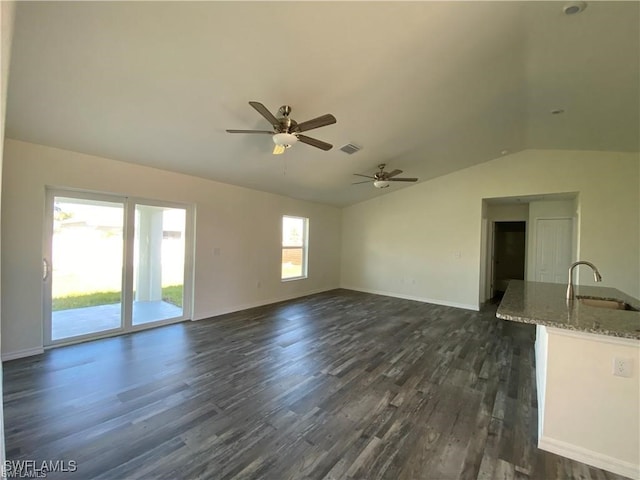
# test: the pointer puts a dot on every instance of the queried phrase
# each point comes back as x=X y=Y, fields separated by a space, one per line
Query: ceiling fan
x=286 y=131
x=381 y=179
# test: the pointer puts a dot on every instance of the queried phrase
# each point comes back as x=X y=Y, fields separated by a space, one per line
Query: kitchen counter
x=545 y=304
x=587 y=405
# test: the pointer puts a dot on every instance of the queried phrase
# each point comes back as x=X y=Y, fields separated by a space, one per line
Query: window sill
x=292 y=279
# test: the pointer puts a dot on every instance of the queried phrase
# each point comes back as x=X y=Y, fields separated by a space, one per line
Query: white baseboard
x=589 y=457
x=434 y=301
x=28 y=352
x=260 y=303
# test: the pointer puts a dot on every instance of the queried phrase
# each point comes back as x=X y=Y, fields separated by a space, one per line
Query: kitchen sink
x=605 y=303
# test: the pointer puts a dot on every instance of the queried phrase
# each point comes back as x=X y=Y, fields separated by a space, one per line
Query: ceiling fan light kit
x=279 y=149
x=287 y=131
x=284 y=139
x=380 y=183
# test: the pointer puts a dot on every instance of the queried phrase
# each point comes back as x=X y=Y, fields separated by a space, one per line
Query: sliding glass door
x=112 y=265
x=86 y=266
x=158 y=265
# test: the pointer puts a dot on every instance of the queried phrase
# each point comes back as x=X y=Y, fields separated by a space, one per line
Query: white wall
x=424 y=242
x=7 y=16
x=508 y=212
x=541 y=352
x=244 y=224
x=591 y=415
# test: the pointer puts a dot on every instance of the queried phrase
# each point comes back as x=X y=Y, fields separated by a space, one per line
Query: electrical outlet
x=622 y=367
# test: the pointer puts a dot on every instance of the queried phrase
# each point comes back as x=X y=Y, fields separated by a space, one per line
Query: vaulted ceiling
x=426 y=87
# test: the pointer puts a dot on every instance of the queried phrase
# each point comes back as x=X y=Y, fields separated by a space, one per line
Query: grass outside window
x=170 y=294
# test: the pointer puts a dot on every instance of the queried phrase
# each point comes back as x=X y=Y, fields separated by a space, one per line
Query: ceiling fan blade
x=358 y=183
x=262 y=110
x=250 y=131
x=318 y=122
x=402 y=179
x=314 y=142
x=366 y=176
x=394 y=173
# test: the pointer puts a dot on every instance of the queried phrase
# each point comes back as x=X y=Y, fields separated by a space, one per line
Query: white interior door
x=553 y=249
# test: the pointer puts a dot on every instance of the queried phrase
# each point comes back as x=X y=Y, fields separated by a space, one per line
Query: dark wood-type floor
x=336 y=385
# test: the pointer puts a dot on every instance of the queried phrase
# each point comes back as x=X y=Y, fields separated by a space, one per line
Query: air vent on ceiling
x=350 y=148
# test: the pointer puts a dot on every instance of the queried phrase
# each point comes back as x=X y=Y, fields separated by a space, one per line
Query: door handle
x=45 y=270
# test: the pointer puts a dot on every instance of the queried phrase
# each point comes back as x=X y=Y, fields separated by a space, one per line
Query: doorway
x=552 y=230
x=509 y=252
x=112 y=265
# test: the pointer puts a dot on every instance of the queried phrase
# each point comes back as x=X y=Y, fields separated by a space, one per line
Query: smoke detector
x=572 y=8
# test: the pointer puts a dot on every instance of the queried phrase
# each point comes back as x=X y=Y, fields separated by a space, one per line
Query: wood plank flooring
x=339 y=385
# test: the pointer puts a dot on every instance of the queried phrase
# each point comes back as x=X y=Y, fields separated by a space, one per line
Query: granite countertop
x=545 y=304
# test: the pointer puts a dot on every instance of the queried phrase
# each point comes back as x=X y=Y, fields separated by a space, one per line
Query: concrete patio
x=87 y=320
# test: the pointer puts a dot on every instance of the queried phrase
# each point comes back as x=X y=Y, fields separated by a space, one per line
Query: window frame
x=304 y=247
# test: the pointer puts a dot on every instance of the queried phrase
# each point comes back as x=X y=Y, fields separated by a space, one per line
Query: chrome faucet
x=596 y=275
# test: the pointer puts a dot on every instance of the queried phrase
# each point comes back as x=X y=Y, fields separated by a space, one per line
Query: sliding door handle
x=45 y=270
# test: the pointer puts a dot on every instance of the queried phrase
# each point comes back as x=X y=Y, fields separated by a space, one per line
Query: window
x=294 y=247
